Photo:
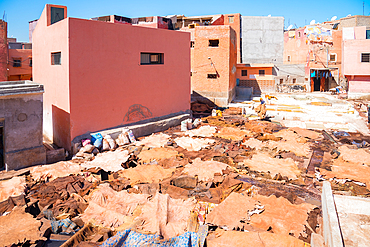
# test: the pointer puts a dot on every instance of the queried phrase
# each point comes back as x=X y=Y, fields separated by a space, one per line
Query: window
x=17 y=62
x=365 y=57
x=212 y=76
x=299 y=34
x=281 y=81
x=244 y=72
x=261 y=72
x=213 y=42
x=333 y=57
x=57 y=14
x=231 y=19
x=294 y=80
x=151 y=58
x=56 y=58
x=30 y=60
x=367 y=34
x=288 y=58
x=192 y=44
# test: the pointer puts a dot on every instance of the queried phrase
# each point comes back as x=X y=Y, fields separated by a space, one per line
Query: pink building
x=356 y=60
x=99 y=75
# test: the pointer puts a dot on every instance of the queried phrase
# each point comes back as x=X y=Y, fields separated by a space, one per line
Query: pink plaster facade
x=356 y=71
x=100 y=83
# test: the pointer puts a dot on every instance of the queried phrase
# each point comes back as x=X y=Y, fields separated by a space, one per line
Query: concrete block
x=141 y=129
x=332 y=233
x=24 y=158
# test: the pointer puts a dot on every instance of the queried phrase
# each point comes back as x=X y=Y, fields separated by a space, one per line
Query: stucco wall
x=22 y=118
x=109 y=87
x=352 y=49
x=262 y=39
x=55 y=78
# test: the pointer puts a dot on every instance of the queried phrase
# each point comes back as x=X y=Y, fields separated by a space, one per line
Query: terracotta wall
x=254 y=71
x=3 y=50
x=101 y=83
x=236 y=26
x=213 y=60
x=25 y=71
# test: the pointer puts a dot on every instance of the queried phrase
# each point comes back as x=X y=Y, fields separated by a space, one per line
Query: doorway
x=316 y=83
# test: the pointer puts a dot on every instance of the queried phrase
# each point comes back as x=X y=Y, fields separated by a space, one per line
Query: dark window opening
x=57 y=14
x=191 y=73
x=212 y=76
x=192 y=44
x=56 y=58
x=30 y=62
x=213 y=42
x=294 y=80
x=17 y=62
x=288 y=58
x=151 y=58
x=365 y=57
x=367 y=34
x=244 y=72
x=281 y=81
x=231 y=19
x=333 y=57
x=261 y=72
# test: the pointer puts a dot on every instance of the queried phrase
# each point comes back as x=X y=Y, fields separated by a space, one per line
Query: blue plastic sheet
x=130 y=238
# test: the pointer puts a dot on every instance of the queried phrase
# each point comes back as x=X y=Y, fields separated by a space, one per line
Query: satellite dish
x=349 y=15
x=269 y=16
x=312 y=22
x=290 y=27
x=334 y=18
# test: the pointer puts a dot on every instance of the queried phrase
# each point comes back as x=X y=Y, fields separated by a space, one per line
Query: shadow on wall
x=197 y=97
x=253 y=84
x=61 y=128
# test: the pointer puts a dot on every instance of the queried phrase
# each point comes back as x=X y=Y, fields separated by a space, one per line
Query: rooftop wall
x=262 y=39
x=108 y=85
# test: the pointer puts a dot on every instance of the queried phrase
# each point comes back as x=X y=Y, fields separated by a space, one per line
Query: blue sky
x=19 y=12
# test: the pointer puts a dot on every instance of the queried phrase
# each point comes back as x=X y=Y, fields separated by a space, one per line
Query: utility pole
x=363 y=7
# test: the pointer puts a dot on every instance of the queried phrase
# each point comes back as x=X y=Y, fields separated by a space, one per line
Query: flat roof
x=20 y=87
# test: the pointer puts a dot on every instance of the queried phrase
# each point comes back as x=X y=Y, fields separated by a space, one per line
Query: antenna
x=290 y=27
x=312 y=22
x=334 y=18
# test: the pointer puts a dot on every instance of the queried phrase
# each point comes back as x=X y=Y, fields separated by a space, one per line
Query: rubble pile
x=222 y=182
